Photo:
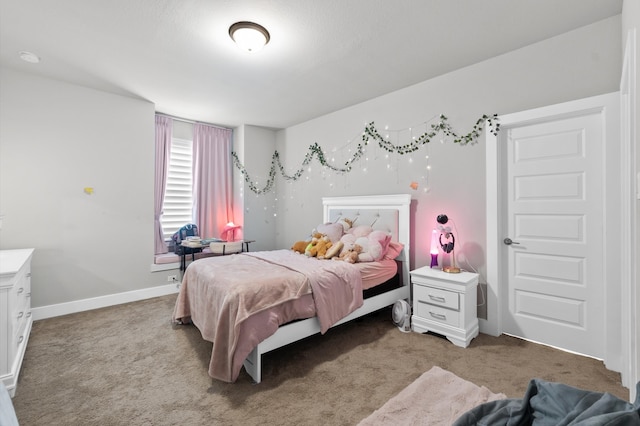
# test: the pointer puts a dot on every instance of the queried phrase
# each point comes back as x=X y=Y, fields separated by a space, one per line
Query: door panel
x=558 y=311
x=569 y=228
x=555 y=288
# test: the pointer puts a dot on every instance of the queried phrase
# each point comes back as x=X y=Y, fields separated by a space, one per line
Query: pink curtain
x=164 y=126
x=212 y=179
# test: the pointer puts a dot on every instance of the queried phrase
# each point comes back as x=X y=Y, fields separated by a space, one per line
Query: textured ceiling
x=323 y=55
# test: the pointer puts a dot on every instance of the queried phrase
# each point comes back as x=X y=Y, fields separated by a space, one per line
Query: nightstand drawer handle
x=437 y=298
x=20 y=315
x=20 y=290
x=438 y=316
x=20 y=339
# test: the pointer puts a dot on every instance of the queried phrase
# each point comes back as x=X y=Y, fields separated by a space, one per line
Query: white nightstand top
x=437 y=273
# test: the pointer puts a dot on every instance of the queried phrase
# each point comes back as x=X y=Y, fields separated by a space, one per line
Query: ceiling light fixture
x=249 y=36
x=29 y=57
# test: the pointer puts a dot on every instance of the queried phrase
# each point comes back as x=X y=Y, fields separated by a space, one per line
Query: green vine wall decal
x=369 y=134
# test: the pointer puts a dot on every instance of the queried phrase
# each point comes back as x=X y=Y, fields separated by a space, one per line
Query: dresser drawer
x=20 y=320
x=436 y=296
x=435 y=313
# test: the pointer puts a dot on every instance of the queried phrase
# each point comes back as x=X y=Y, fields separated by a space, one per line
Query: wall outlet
x=172 y=278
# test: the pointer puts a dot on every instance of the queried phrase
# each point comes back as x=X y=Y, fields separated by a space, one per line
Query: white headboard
x=390 y=213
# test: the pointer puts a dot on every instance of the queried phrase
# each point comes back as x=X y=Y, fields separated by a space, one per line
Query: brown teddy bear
x=300 y=246
x=350 y=255
x=322 y=247
x=312 y=250
x=318 y=247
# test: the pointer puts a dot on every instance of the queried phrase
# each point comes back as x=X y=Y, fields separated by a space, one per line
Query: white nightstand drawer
x=435 y=313
x=436 y=296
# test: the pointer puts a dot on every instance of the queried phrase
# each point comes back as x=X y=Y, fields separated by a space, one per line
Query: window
x=177 y=209
x=193 y=179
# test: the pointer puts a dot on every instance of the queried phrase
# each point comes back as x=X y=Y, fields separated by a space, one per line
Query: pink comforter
x=219 y=294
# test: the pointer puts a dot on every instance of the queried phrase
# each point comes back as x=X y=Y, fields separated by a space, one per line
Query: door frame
x=630 y=195
x=496 y=184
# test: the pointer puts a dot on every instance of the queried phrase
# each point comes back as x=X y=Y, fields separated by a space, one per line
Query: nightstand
x=445 y=303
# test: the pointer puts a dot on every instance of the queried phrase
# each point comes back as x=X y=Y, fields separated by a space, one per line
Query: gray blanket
x=555 y=404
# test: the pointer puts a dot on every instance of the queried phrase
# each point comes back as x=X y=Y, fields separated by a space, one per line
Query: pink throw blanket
x=218 y=294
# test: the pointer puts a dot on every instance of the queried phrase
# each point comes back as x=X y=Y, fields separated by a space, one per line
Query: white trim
x=492 y=325
x=629 y=278
x=159 y=267
x=75 y=306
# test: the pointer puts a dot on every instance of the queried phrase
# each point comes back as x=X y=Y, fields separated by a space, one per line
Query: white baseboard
x=51 y=311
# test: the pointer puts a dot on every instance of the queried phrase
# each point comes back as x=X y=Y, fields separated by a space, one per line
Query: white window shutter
x=177 y=210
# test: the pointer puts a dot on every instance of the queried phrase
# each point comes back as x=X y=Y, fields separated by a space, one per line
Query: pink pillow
x=332 y=230
x=393 y=250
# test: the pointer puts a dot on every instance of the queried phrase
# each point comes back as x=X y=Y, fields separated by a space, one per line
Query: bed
x=249 y=304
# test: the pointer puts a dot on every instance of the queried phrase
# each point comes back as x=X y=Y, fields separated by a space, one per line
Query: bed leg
x=253 y=365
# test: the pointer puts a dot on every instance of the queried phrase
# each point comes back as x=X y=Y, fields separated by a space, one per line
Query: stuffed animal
x=346 y=224
x=300 y=246
x=361 y=231
x=351 y=255
x=374 y=246
x=334 y=250
x=323 y=245
x=348 y=240
x=318 y=243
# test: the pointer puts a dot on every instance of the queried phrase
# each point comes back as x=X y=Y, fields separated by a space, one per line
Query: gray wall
x=574 y=65
x=255 y=146
x=57 y=138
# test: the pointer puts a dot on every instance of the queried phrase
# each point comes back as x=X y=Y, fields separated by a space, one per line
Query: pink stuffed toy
x=374 y=246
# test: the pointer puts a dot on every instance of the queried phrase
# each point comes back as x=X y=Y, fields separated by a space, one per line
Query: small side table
x=445 y=303
x=193 y=249
x=222 y=248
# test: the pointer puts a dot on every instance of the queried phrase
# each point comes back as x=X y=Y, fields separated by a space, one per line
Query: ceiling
x=323 y=55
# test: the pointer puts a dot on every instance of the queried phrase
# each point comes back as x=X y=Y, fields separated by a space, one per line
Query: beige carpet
x=127 y=365
x=438 y=397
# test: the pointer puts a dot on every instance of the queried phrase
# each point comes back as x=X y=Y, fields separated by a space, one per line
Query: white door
x=554 y=233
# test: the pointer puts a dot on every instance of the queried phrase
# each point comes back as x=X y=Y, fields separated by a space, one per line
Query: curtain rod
x=185 y=120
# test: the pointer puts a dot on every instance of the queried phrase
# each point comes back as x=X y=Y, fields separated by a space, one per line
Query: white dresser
x=15 y=313
x=445 y=303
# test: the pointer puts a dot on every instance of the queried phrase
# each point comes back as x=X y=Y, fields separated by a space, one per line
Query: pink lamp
x=229 y=228
x=434 y=248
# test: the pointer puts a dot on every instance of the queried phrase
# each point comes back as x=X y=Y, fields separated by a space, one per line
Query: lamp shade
x=434 y=242
x=228 y=232
x=434 y=248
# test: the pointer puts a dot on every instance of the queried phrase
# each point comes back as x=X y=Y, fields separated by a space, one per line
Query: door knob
x=508 y=241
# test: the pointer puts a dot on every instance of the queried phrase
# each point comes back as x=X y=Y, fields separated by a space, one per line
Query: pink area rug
x=438 y=397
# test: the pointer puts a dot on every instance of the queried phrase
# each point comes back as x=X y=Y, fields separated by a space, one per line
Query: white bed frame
x=350 y=207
